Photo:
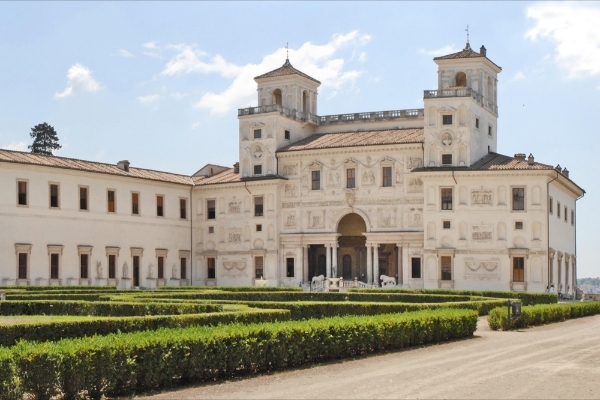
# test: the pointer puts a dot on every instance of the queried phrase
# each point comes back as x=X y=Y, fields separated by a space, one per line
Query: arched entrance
x=352 y=251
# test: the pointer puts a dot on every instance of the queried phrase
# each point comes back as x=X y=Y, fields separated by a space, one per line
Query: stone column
x=406 y=263
x=567 y=274
x=550 y=268
x=376 y=263
x=369 y=265
x=574 y=272
x=328 y=254
x=305 y=277
x=399 y=265
x=559 y=274
x=334 y=250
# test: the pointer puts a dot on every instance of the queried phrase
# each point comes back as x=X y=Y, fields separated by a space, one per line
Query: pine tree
x=45 y=140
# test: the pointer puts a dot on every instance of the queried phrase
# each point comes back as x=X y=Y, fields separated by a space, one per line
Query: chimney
x=520 y=156
x=483 y=51
x=123 y=165
x=236 y=167
x=565 y=172
x=558 y=168
x=530 y=159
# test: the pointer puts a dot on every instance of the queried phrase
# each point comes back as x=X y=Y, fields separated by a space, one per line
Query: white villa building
x=419 y=195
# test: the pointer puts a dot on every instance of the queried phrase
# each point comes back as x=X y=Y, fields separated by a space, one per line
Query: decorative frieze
x=482 y=233
x=482 y=269
x=316 y=219
x=386 y=217
x=482 y=197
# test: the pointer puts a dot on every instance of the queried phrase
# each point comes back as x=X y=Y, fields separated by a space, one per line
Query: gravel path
x=560 y=360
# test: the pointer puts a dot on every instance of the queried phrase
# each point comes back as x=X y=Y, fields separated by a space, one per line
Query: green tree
x=45 y=140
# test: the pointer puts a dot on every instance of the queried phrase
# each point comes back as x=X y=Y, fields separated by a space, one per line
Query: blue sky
x=159 y=83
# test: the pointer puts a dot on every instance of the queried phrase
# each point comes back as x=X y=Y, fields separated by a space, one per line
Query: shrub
x=43 y=307
x=541 y=314
x=60 y=288
x=232 y=288
x=54 y=331
x=130 y=363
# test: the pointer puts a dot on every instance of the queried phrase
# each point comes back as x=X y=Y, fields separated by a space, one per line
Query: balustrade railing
x=461 y=92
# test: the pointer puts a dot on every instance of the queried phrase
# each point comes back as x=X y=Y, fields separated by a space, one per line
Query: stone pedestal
x=73 y=281
x=41 y=282
x=125 y=284
x=161 y=282
x=173 y=282
x=55 y=282
x=9 y=282
x=2 y=294
x=101 y=281
x=112 y=282
x=151 y=283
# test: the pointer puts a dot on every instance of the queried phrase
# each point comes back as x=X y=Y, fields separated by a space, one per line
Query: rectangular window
x=258 y=228
x=83 y=198
x=477 y=123
x=316 y=180
x=161 y=267
x=183 y=208
x=447 y=159
x=572 y=217
x=518 y=202
x=350 y=178
x=135 y=203
x=289 y=267
x=112 y=266
x=519 y=225
x=211 y=209
x=160 y=206
x=447 y=119
x=211 y=229
x=53 y=266
x=258 y=170
x=551 y=205
x=22 y=265
x=489 y=131
x=257 y=133
x=211 y=270
x=53 y=196
x=111 y=201
x=565 y=213
x=183 y=268
x=558 y=209
x=415 y=264
x=83 y=265
x=387 y=176
x=518 y=269
x=446 y=224
x=258 y=267
x=258 y=206
x=447 y=199
x=22 y=193
x=287 y=135
x=446 y=268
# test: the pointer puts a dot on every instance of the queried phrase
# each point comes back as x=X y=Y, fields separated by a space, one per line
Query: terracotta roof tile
x=227 y=176
x=467 y=52
x=284 y=70
x=90 y=166
x=350 y=139
x=492 y=162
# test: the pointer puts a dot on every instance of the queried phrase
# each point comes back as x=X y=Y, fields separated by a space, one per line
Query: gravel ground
x=560 y=360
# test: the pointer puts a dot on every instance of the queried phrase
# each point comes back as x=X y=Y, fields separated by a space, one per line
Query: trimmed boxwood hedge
x=232 y=288
x=107 y=308
x=541 y=314
x=93 y=296
x=527 y=298
x=61 y=288
x=131 y=363
x=54 y=331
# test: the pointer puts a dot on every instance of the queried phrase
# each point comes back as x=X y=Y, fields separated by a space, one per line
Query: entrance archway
x=351 y=247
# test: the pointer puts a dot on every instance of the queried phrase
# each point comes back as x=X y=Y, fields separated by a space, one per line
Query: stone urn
x=260 y=282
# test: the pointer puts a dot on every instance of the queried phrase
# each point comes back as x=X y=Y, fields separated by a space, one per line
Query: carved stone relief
x=387 y=217
x=415 y=185
x=334 y=178
x=257 y=152
x=447 y=139
x=290 y=221
x=234 y=206
x=414 y=162
x=482 y=197
x=415 y=217
x=234 y=269
x=316 y=219
x=482 y=269
x=289 y=170
x=291 y=190
x=482 y=233
x=368 y=177
x=350 y=197
x=234 y=236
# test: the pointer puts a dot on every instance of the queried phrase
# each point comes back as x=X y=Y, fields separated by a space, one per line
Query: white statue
x=174 y=271
x=151 y=270
x=318 y=279
x=99 y=268
x=125 y=270
x=387 y=280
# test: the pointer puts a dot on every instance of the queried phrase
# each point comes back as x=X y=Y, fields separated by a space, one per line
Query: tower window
x=447 y=119
x=387 y=176
x=447 y=199
x=211 y=210
x=258 y=206
x=489 y=131
x=477 y=123
x=461 y=79
x=257 y=133
x=316 y=180
x=287 y=135
x=258 y=170
x=350 y=178
x=447 y=159
x=22 y=193
x=54 y=196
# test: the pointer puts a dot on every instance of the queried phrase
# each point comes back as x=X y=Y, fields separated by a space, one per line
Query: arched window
x=305 y=101
x=277 y=97
x=461 y=79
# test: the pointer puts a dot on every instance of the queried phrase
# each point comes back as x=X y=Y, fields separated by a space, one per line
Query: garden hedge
x=232 y=288
x=124 y=364
x=107 y=308
x=527 y=298
x=93 y=296
x=60 y=288
x=54 y=331
x=541 y=314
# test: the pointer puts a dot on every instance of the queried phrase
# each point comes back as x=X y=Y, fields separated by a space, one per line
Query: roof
x=493 y=162
x=285 y=70
x=467 y=52
x=351 y=139
x=227 y=176
x=20 y=157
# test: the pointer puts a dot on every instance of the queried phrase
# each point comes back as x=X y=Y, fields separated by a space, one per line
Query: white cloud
x=147 y=99
x=315 y=60
x=196 y=125
x=573 y=27
x=518 y=76
x=150 y=45
x=18 y=146
x=178 y=95
x=362 y=57
x=79 y=80
x=124 y=53
x=442 y=51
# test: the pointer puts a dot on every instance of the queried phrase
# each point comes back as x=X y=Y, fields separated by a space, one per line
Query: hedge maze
x=70 y=343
